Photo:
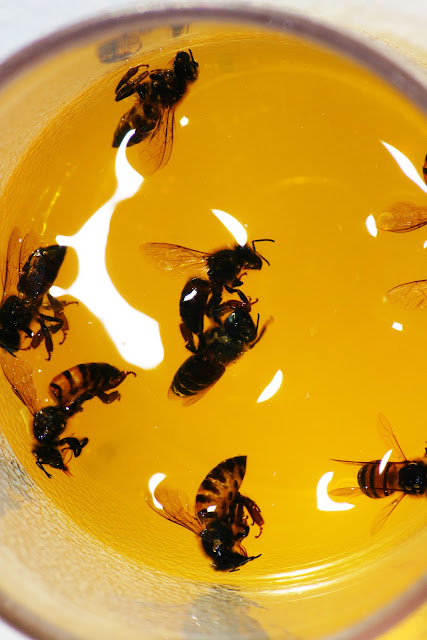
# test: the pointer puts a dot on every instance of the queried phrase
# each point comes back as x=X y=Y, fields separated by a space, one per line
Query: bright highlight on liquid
x=272 y=387
x=324 y=502
x=384 y=460
x=136 y=335
x=235 y=227
x=397 y=326
x=371 y=226
x=406 y=166
x=153 y=483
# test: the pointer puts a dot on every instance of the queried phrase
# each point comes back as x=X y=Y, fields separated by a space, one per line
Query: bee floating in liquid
x=218 y=347
x=224 y=271
x=28 y=279
x=379 y=480
x=157 y=94
x=69 y=390
x=219 y=518
x=404 y=216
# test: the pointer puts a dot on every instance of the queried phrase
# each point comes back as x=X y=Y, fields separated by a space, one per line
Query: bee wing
x=219 y=488
x=402 y=217
x=19 y=375
x=155 y=150
x=170 y=257
x=174 y=508
x=346 y=492
x=412 y=295
x=382 y=516
x=387 y=434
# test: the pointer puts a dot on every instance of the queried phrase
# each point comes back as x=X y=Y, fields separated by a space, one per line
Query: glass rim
x=390 y=65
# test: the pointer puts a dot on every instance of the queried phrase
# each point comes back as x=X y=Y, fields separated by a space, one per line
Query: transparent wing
x=156 y=149
x=18 y=251
x=382 y=516
x=346 y=492
x=412 y=295
x=402 y=217
x=170 y=257
x=387 y=434
x=175 y=508
x=18 y=373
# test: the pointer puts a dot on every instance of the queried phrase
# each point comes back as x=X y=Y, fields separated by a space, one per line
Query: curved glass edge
x=392 y=67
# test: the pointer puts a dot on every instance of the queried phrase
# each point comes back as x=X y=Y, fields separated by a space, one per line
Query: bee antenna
x=261 y=240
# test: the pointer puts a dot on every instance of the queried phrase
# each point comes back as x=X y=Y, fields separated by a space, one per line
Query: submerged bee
x=86 y=381
x=27 y=281
x=380 y=479
x=70 y=390
x=48 y=422
x=404 y=216
x=157 y=93
x=219 y=518
x=224 y=270
x=217 y=348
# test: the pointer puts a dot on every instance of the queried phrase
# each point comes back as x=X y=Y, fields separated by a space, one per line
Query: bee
x=224 y=271
x=157 y=94
x=404 y=216
x=48 y=422
x=218 y=347
x=87 y=381
x=219 y=519
x=25 y=295
x=379 y=480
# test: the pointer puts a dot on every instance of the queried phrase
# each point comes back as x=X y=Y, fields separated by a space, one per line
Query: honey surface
x=287 y=139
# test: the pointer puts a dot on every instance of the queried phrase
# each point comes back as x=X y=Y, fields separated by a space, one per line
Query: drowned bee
x=377 y=479
x=404 y=216
x=224 y=271
x=218 y=347
x=28 y=278
x=157 y=94
x=219 y=519
x=70 y=389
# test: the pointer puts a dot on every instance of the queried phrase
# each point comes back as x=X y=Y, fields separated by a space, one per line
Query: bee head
x=240 y=325
x=413 y=477
x=10 y=339
x=49 y=455
x=185 y=65
x=218 y=542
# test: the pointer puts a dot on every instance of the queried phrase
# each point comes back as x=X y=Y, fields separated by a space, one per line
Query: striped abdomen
x=92 y=376
x=195 y=375
x=220 y=487
x=379 y=485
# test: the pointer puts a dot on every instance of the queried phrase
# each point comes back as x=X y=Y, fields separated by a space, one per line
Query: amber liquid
x=287 y=139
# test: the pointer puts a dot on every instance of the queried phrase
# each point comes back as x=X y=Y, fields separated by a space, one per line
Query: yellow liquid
x=287 y=139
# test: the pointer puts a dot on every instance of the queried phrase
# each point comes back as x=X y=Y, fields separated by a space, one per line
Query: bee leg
x=107 y=398
x=254 y=511
x=57 y=307
x=237 y=283
x=76 y=405
x=28 y=332
x=40 y=466
x=74 y=445
x=188 y=338
x=45 y=335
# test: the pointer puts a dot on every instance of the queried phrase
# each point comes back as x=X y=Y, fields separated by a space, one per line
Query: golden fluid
x=287 y=139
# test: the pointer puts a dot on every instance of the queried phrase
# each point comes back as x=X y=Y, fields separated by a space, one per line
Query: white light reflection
x=324 y=502
x=371 y=226
x=233 y=225
x=184 y=121
x=397 y=326
x=406 y=166
x=153 y=483
x=272 y=387
x=136 y=335
x=384 y=460
x=425 y=244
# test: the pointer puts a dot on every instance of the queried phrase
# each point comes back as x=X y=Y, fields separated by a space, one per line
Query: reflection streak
x=136 y=335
